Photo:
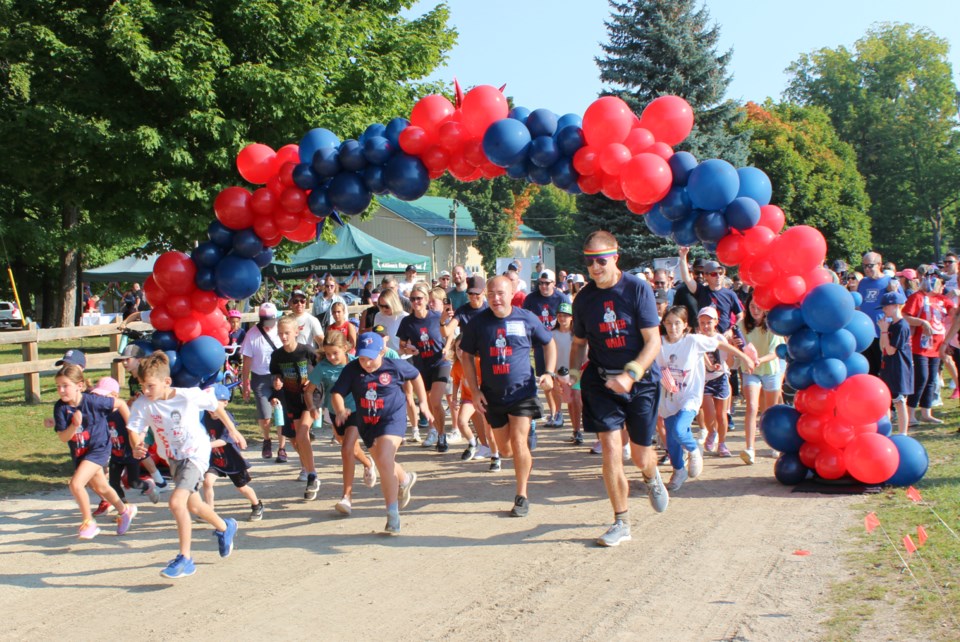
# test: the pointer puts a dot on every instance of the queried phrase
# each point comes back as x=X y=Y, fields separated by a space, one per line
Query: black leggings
x=133 y=476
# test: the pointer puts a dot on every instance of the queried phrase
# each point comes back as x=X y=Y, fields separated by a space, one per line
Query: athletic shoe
x=532 y=436
x=282 y=456
x=597 y=448
x=162 y=486
x=370 y=476
x=432 y=439
x=393 y=524
x=343 y=507
x=747 y=456
x=626 y=451
x=88 y=529
x=521 y=507
x=619 y=532
x=731 y=424
x=578 y=438
x=677 y=478
x=225 y=538
x=695 y=463
x=723 y=451
x=469 y=453
x=422 y=423
x=453 y=437
x=150 y=490
x=483 y=452
x=313 y=487
x=266 y=453
x=495 y=463
x=256 y=512
x=702 y=436
x=312 y=435
x=414 y=437
x=550 y=422
x=558 y=419
x=179 y=566
x=103 y=508
x=663 y=459
x=405 y=491
x=711 y=443
x=302 y=477
x=442 y=446
x=125 y=518
x=657 y=493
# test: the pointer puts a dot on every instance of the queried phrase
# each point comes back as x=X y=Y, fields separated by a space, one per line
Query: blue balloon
x=681 y=164
x=657 y=223
x=779 y=428
x=175 y=364
x=827 y=308
x=710 y=227
x=519 y=170
x=755 y=184
x=304 y=176
x=348 y=193
x=264 y=258
x=785 y=320
x=206 y=279
x=237 y=277
x=544 y=151
x=506 y=142
x=781 y=350
x=569 y=120
x=373 y=130
x=315 y=139
x=202 y=356
x=220 y=234
x=743 y=213
x=164 y=340
x=789 y=470
x=406 y=177
x=377 y=150
x=829 y=373
x=539 y=175
x=676 y=204
x=562 y=173
x=574 y=189
x=319 y=202
x=207 y=254
x=683 y=233
x=184 y=379
x=373 y=178
x=393 y=129
x=144 y=345
x=326 y=162
x=804 y=345
x=351 y=156
x=569 y=140
x=710 y=246
x=856 y=364
x=799 y=375
x=884 y=427
x=914 y=461
x=246 y=243
x=542 y=122
x=857 y=298
x=862 y=329
x=519 y=113
x=838 y=345
x=713 y=184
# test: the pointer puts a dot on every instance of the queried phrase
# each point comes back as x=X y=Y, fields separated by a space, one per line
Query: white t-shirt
x=684 y=359
x=404 y=287
x=564 y=341
x=724 y=368
x=309 y=330
x=390 y=323
x=176 y=423
x=259 y=351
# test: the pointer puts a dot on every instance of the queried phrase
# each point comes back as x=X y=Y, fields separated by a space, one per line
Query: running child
x=761 y=388
x=340 y=323
x=716 y=387
x=487 y=446
x=130 y=360
x=226 y=460
x=563 y=337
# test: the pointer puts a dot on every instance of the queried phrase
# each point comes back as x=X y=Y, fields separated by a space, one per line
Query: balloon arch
x=838 y=425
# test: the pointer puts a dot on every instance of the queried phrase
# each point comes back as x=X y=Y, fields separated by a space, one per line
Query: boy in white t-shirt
x=174 y=415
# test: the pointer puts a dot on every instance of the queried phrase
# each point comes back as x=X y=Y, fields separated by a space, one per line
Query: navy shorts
x=370 y=432
x=718 y=388
x=439 y=373
x=606 y=411
x=499 y=416
x=99 y=455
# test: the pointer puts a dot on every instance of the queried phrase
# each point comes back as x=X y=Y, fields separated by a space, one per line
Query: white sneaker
x=747 y=455
x=453 y=437
x=370 y=476
x=695 y=463
x=302 y=476
x=597 y=448
x=431 y=440
x=677 y=479
x=626 y=452
x=414 y=437
x=343 y=507
x=483 y=452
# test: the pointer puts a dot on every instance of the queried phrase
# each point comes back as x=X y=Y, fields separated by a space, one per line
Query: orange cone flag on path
x=914 y=495
x=921 y=535
x=871 y=521
x=909 y=545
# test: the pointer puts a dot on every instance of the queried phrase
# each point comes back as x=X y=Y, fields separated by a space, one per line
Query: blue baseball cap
x=369 y=345
x=893 y=298
x=221 y=392
x=74 y=357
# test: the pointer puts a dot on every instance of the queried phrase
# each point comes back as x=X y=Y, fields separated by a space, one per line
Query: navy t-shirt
x=871 y=290
x=425 y=335
x=724 y=300
x=94 y=434
x=611 y=319
x=896 y=370
x=466 y=312
x=379 y=395
x=120 y=450
x=503 y=346
x=545 y=307
x=225 y=459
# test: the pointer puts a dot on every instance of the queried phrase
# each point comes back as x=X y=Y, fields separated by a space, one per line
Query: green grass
x=12 y=353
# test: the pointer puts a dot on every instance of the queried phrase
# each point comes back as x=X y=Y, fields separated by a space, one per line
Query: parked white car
x=10 y=318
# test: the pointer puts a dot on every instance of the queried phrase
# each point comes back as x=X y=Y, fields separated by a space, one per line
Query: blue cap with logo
x=369 y=345
x=893 y=298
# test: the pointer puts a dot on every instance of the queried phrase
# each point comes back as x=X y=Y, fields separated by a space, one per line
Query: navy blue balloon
x=144 y=345
x=315 y=139
x=827 y=308
x=519 y=170
x=743 y=213
x=804 y=345
x=164 y=340
x=544 y=151
x=319 y=202
x=207 y=254
x=377 y=150
x=506 y=142
x=789 y=470
x=914 y=461
x=710 y=227
x=683 y=232
x=518 y=113
x=862 y=329
x=829 y=373
x=884 y=427
x=838 y=345
x=569 y=120
x=799 y=375
x=351 y=156
x=539 y=175
x=392 y=132
x=676 y=204
x=373 y=178
x=220 y=234
x=202 y=356
x=336 y=218
x=755 y=184
x=542 y=122
x=574 y=189
x=326 y=162
x=373 y=130
x=264 y=258
x=246 y=243
x=681 y=164
x=710 y=246
x=569 y=139
x=237 y=277
x=713 y=184
x=176 y=365
x=406 y=177
x=348 y=193
x=856 y=364
x=657 y=223
x=562 y=173
x=206 y=279
x=785 y=319
x=184 y=379
x=857 y=298
x=781 y=350
x=304 y=177
x=779 y=428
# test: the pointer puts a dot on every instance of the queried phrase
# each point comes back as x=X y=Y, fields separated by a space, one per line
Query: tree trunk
x=937 y=224
x=69 y=267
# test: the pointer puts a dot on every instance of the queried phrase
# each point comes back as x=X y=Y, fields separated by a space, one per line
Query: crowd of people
x=635 y=358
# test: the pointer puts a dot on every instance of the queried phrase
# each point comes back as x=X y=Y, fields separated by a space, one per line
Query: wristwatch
x=553 y=375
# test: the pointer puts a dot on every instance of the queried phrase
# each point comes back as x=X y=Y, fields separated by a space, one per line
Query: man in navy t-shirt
x=872 y=287
x=712 y=293
x=502 y=337
x=616 y=317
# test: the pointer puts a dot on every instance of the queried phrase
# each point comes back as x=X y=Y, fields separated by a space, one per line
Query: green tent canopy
x=354 y=250
x=129 y=268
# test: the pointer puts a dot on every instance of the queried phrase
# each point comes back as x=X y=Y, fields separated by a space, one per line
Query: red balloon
x=865 y=428
x=154 y=294
x=286 y=174
x=809 y=452
x=816 y=277
x=174 y=272
x=203 y=301
x=772 y=218
x=810 y=427
x=831 y=463
x=838 y=433
x=482 y=106
x=612 y=188
x=473 y=153
x=871 y=457
x=639 y=208
x=211 y=321
x=799 y=249
x=586 y=160
x=646 y=178
x=266 y=227
x=862 y=399
x=429 y=113
x=286 y=220
x=289 y=153
x=607 y=120
x=662 y=150
x=759 y=271
x=436 y=157
x=460 y=168
x=757 y=240
x=222 y=335
x=275 y=186
x=730 y=249
x=434 y=174
x=414 y=140
x=306 y=230
x=639 y=140
x=293 y=199
x=187 y=328
x=669 y=119
x=179 y=305
x=790 y=289
x=257 y=163
x=263 y=202
x=271 y=241
x=613 y=157
x=160 y=319
x=765 y=297
x=232 y=207
x=492 y=171
x=816 y=400
x=451 y=136
x=590 y=183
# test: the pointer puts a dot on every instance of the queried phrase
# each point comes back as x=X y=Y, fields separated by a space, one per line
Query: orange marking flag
x=914 y=495
x=909 y=545
x=921 y=535
x=871 y=521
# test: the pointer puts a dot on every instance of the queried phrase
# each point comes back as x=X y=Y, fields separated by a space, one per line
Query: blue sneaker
x=532 y=437
x=225 y=538
x=179 y=566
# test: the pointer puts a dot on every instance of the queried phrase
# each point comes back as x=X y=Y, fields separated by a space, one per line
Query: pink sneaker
x=125 y=519
x=724 y=451
x=710 y=443
x=88 y=529
x=956 y=393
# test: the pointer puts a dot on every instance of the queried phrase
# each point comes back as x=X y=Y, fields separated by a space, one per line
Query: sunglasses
x=547 y=282
x=296 y=301
x=949 y=262
x=716 y=274
x=659 y=282
x=602 y=261
x=869 y=265
x=416 y=298
x=384 y=307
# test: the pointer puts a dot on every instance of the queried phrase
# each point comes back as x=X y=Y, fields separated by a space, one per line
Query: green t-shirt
x=765 y=342
x=324 y=375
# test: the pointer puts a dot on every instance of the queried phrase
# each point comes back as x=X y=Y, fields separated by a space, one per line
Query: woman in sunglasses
x=390 y=315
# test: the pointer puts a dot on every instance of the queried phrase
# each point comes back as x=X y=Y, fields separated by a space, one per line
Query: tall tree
x=893 y=99
x=659 y=47
x=814 y=174
x=122 y=121
x=490 y=203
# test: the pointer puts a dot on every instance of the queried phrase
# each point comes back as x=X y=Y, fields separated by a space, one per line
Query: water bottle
x=563 y=373
x=278 y=416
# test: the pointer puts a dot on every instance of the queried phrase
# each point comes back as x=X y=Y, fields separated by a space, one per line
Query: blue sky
x=544 y=50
